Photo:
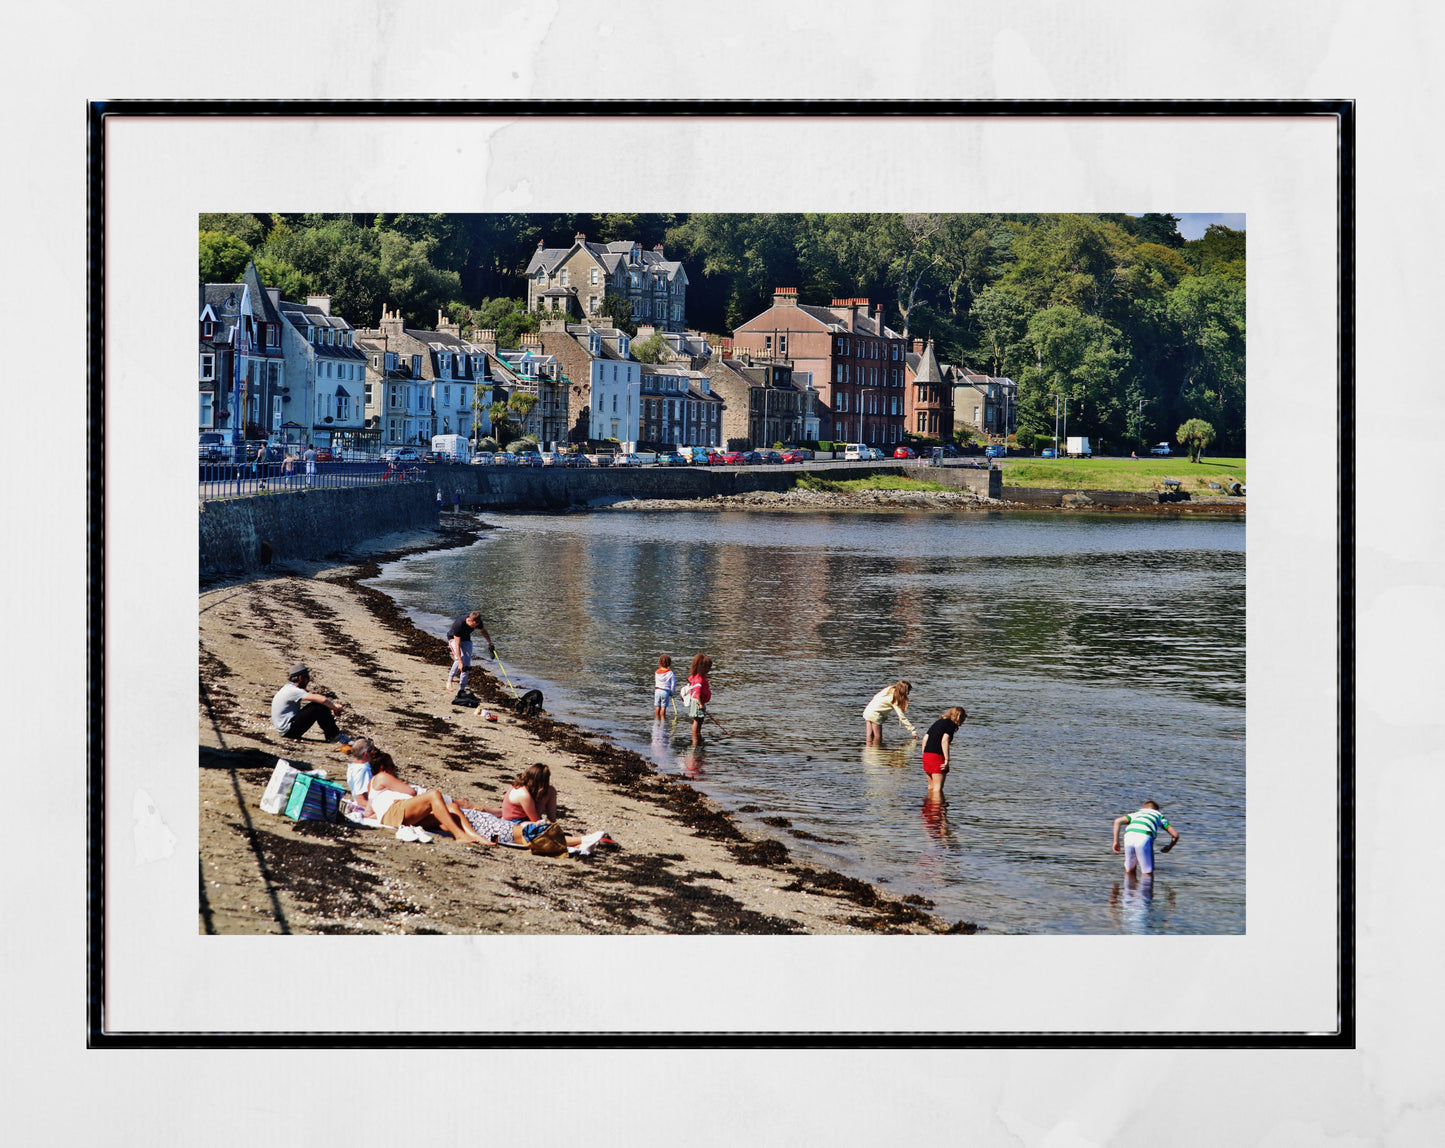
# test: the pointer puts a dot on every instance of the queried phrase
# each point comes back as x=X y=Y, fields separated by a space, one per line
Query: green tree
x=654 y=349
x=1002 y=320
x=619 y=310
x=223 y=257
x=521 y=403
x=1196 y=434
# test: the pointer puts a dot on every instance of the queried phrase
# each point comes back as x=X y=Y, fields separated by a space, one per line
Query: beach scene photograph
x=721 y=573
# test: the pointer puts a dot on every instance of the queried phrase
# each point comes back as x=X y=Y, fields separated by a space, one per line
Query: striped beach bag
x=315 y=800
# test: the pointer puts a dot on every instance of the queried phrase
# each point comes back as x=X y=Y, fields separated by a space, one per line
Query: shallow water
x=1100 y=659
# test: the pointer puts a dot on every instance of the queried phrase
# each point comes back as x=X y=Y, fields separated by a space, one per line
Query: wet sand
x=683 y=867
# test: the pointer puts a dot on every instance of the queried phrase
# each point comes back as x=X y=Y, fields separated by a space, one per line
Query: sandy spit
x=683 y=867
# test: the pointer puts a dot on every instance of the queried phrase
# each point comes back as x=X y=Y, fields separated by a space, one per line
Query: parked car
x=875 y=454
x=579 y=460
x=504 y=458
x=717 y=458
x=625 y=459
x=794 y=456
x=996 y=450
x=529 y=458
x=772 y=456
x=401 y=454
x=670 y=458
x=601 y=459
x=213 y=447
x=1162 y=448
x=734 y=458
x=325 y=454
x=905 y=452
x=951 y=451
x=1048 y=452
x=482 y=458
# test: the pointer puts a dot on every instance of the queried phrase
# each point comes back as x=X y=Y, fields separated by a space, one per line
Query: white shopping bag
x=278 y=789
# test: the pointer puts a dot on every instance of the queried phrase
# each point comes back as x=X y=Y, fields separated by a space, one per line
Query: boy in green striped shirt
x=1140 y=830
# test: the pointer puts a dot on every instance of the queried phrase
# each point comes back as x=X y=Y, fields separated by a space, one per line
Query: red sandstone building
x=929 y=394
x=857 y=363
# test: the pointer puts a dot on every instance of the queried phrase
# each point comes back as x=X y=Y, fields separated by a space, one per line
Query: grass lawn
x=1123 y=473
x=876 y=482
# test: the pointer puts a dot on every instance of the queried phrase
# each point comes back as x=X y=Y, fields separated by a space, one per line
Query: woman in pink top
x=699 y=694
x=532 y=796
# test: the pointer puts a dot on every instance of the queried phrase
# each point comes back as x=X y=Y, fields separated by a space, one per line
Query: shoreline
x=953 y=501
x=684 y=866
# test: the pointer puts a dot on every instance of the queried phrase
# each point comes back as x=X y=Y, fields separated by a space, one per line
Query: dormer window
x=623 y=345
x=208 y=329
x=310 y=333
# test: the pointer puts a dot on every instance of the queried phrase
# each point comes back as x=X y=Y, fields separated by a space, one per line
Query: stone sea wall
x=249 y=533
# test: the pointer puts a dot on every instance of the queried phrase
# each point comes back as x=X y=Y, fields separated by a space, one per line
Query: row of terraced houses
x=293 y=372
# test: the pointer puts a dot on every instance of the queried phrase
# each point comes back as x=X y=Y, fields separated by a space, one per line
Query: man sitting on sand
x=294 y=710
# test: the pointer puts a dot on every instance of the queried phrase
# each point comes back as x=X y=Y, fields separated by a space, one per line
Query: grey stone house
x=573 y=281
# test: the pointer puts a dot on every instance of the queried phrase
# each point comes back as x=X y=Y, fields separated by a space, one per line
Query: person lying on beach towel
x=395 y=804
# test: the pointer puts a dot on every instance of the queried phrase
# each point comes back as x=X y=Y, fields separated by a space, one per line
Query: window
x=782 y=345
x=343 y=406
x=208 y=367
x=562 y=279
x=767 y=342
x=208 y=329
x=208 y=409
x=838 y=373
x=593 y=278
x=273 y=335
x=276 y=413
x=614 y=404
x=447 y=396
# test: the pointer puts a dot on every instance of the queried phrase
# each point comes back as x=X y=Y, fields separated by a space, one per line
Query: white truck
x=453 y=447
x=1076 y=447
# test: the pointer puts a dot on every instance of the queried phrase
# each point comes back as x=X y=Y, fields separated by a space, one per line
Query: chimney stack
x=323 y=302
x=579 y=238
x=785 y=296
x=918 y=346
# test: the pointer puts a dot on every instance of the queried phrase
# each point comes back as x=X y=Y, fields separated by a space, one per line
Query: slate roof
x=928 y=371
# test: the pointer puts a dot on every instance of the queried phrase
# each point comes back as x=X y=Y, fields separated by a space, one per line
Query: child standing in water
x=1140 y=829
x=936 y=745
x=895 y=698
x=664 y=685
x=699 y=694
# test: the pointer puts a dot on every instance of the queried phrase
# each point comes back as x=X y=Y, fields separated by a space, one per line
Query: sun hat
x=297 y=670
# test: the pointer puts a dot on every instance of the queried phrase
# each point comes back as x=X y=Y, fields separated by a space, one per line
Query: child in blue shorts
x=1140 y=829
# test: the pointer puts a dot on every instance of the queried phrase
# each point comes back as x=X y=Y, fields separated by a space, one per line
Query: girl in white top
x=894 y=697
x=664 y=685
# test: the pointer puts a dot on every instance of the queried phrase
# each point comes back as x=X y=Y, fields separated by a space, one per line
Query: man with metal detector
x=459 y=641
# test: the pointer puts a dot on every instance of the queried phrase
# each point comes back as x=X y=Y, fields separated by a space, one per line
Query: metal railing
x=245 y=480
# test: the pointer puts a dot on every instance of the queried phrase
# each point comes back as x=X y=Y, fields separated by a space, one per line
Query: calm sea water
x=1101 y=661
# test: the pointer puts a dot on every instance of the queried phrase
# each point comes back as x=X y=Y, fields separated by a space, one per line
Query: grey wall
x=235 y=533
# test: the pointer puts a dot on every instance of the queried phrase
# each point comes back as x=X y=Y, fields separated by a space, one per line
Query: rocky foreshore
x=814 y=500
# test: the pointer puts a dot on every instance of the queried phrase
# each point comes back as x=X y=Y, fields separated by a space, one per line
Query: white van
x=856 y=452
x=452 y=447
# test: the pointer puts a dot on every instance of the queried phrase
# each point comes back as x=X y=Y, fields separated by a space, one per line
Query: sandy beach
x=683 y=866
